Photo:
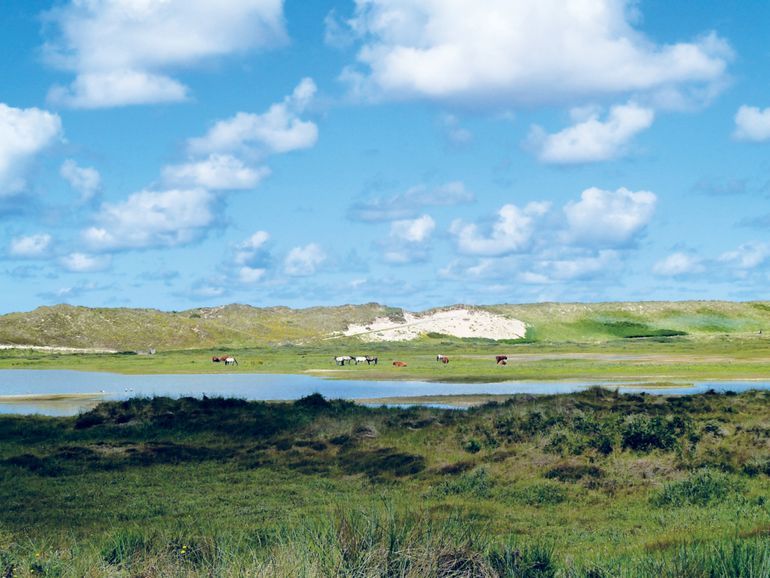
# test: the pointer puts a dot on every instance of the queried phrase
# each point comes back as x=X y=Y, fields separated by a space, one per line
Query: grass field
x=687 y=358
x=591 y=484
x=587 y=485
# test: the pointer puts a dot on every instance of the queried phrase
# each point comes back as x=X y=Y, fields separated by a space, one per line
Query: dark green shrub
x=44 y=466
x=472 y=446
x=89 y=419
x=382 y=462
x=644 y=433
x=476 y=483
x=700 y=488
x=757 y=467
x=313 y=401
x=546 y=494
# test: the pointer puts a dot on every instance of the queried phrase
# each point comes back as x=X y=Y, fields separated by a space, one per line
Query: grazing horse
x=399 y=364
x=442 y=358
x=499 y=358
x=360 y=359
x=370 y=360
x=230 y=361
x=341 y=359
x=215 y=359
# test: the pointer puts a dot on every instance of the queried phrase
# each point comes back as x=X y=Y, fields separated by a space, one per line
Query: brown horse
x=399 y=364
x=499 y=358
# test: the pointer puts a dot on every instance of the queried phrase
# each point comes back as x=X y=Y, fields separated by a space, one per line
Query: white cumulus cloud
x=153 y=219
x=278 y=130
x=216 y=172
x=413 y=230
x=24 y=132
x=521 y=52
x=580 y=267
x=85 y=263
x=121 y=51
x=409 y=203
x=752 y=124
x=252 y=249
x=304 y=261
x=85 y=180
x=678 y=264
x=408 y=240
x=250 y=275
x=592 y=139
x=746 y=256
x=511 y=231
x=31 y=246
x=609 y=218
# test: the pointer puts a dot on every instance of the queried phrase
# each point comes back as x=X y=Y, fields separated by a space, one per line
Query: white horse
x=360 y=359
x=341 y=359
x=231 y=361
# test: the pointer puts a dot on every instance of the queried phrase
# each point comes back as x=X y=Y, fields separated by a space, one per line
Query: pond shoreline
x=69 y=392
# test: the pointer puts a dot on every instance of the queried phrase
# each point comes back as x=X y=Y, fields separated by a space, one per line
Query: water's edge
x=67 y=392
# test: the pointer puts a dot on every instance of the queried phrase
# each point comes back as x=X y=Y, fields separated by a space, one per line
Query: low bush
x=700 y=488
x=476 y=483
x=545 y=494
x=644 y=433
x=381 y=463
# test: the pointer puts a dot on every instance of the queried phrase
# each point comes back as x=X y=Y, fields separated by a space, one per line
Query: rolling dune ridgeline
x=238 y=326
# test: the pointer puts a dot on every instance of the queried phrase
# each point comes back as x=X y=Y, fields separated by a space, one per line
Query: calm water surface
x=111 y=386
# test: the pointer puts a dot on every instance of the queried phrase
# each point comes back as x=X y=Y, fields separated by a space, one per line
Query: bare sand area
x=43 y=397
x=455 y=322
x=55 y=349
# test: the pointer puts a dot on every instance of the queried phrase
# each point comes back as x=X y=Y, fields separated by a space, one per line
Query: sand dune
x=455 y=322
x=56 y=349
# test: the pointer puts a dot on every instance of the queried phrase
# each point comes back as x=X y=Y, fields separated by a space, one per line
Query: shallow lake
x=111 y=386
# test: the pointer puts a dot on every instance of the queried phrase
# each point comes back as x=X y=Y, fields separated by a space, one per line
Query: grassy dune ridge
x=240 y=326
x=648 y=341
x=583 y=485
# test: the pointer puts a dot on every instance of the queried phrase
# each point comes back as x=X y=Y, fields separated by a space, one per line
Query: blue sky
x=180 y=153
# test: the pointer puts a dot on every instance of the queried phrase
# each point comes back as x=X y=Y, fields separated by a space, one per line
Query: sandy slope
x=456 y=322
x=56 y=349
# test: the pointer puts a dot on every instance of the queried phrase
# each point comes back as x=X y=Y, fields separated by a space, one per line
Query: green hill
x=605 y=321
x=245 y=326
x=140 y=329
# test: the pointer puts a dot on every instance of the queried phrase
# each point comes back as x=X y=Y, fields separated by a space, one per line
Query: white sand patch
x=455 y=322
x=55 y=349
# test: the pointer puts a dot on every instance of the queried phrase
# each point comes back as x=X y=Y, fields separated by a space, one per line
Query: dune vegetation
x=242 y=326
x=583 y=485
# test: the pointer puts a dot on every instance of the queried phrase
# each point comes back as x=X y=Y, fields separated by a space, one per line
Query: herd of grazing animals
x=440 y=358
x=349 y=359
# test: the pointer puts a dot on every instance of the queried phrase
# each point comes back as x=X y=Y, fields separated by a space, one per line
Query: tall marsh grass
x=377 y=543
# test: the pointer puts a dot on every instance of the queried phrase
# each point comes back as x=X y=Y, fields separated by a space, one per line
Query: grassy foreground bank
x=591 y=484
